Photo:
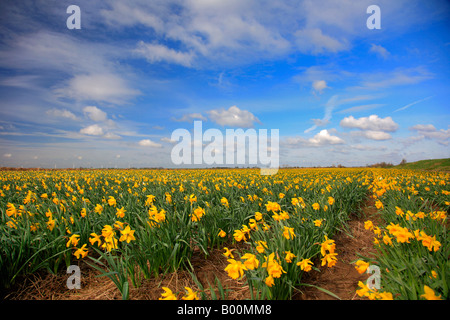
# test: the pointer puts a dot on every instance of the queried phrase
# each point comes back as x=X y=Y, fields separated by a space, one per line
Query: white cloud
x=149 y=143
x=7 y=155
x=95 y=113
x=373 y=135
x=92 y=130
x=156 y=53
x=314 y=41
x=373 y=123
x=423 y=127
x=429 y=131
x=61 y=114
x=320 y=139
x=319 y=86
x=168 y=140
x=111 y=135
x=190 y=117
x=397 y=77
x=237 y=32
x=361 y=147
x=98 y=87
x=323 y=138
x=233 y=117
x=379 y=50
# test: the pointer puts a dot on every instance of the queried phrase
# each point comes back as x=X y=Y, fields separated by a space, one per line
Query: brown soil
x=46 y=286
x=342 y=279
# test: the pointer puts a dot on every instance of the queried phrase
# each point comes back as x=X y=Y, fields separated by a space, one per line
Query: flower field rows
x=413 y=242
x=134 y=225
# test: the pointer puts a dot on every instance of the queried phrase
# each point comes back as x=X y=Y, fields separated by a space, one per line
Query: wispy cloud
x=363 y=107
x=413 y=103
x=379 y=50
x=397 y=77
x=190 y=117
x=429 y=131
x=329 y=107
x=155 y=53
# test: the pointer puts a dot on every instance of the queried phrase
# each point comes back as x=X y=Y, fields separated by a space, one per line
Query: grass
x=429 y=165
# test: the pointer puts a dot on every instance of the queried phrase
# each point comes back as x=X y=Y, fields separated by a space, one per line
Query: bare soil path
x=342 y=279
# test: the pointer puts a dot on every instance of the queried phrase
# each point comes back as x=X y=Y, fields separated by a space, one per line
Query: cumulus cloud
x=373 y=123
x=319 y=86
x=149 y=143
x=233 y=117
x=92 y=130
x=372 y=127
x=58 y=113
x=423 y=127
x=320 y=139
x=323 y=138
x=95 y=113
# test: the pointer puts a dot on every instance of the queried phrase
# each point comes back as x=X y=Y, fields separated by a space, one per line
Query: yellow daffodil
x=269 y=281
x=261 y=245
x=190 y=294
x=289 y=256
x=330 y=201
x=222 y=233
x=81 y=252
x=127 y=234
x=112 y=201
x=429 y=294
x=361 y=266
x=318 y=222
x=167 y=295
x=288 y=233
x=98 y=209
x=228 y=253
x=235 y=268
x=250 y=261
x=73 y=240
x=273 y=206
x=305 y=265
x=95 y=238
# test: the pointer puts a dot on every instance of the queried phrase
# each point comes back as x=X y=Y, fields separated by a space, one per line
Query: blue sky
x=111 y=93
